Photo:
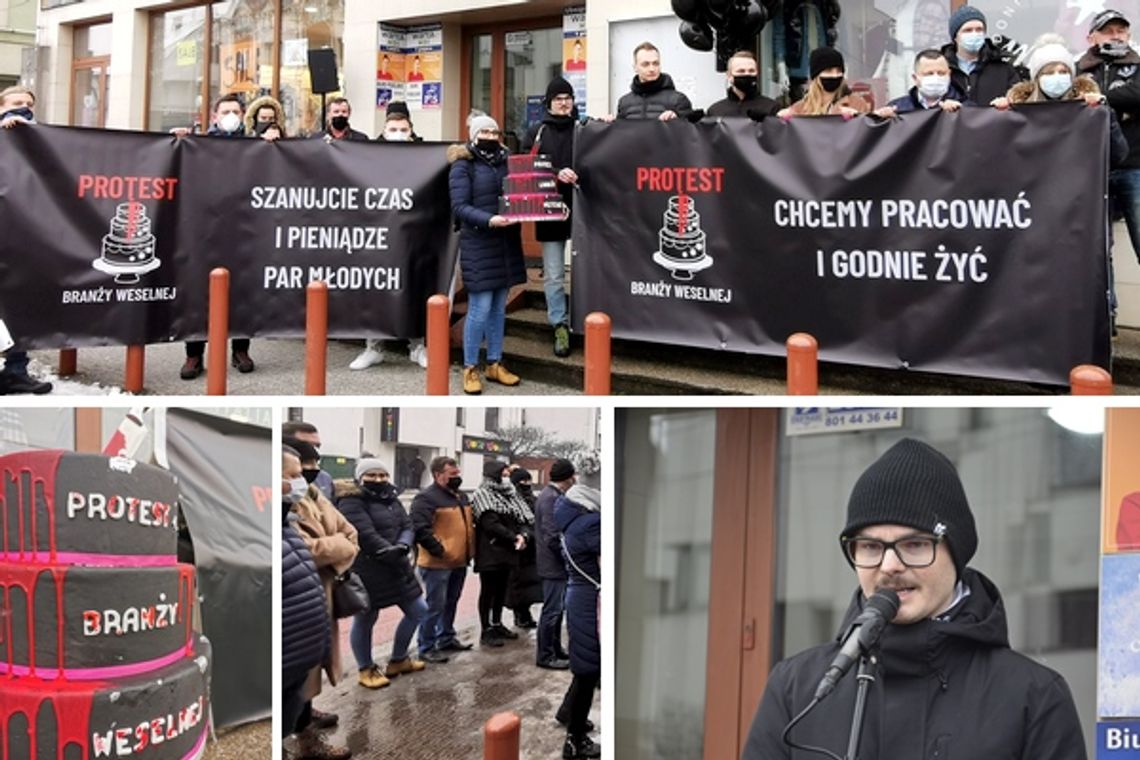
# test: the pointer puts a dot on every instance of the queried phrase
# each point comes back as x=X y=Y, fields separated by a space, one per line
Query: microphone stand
x=864 y=677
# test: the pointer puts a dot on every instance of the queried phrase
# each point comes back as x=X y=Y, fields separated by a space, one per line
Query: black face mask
x=830 y=84
x=487 y=146
x=454 y=483
x=310 y=475
x=748 y=84
x=24 y=113
x=262 y=126
x=339 y=123
x=524 y=488
x=382 y=491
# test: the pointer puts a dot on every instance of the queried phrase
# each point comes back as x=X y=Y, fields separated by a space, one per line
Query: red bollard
x=803 y=365
x=501 y=737
x=316 y=337
x=218 y=332
x=136 y=367
x=438 y=345
x=599 y=354
x=1090 y=380
x=68 y=362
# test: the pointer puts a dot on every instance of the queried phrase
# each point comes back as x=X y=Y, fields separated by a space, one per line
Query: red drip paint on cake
x=41 y=468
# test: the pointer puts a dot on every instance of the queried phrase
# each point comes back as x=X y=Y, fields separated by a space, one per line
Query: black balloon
x=719 y=9
x=754 y=19
x=697 y=36
x=688 y=10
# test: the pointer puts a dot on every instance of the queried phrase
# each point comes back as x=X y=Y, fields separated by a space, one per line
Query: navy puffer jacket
x=489 y=258
x=380 y=525
x=582 y=532
x=304 y=621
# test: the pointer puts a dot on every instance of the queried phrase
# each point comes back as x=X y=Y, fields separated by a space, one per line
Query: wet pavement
x=253 y=740
x=438 y=714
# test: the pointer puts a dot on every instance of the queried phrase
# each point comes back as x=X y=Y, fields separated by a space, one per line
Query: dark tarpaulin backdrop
x=61 y=190
x=1040 y=309
x=224 y=470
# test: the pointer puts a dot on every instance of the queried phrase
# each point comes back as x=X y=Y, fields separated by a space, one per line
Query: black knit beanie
x=493 y=469
x=557 y=86
x=823 y=59
x=521 y=475
x=915 y=485
x=562 y=469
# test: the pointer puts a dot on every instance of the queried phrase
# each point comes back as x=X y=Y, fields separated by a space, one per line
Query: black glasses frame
x=892 y=546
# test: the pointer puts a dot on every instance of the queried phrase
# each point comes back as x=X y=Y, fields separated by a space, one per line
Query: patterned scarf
x=496 y=496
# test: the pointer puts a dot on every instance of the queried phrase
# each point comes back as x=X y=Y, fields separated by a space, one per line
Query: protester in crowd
x=578 y=518
x=228 y=122
x=305 y=631
x=17 y=106
x=398 y=125
x=550 y=653
x=554 y=137
x=265 y=118
x=744 y=97
x=338 y=111
x=397 y=128
x=444 y=529
x=331 y=544
x=525 y=587
x=500 y=514
x=652 y=94
x=1112 y=63
x=307 y=432
x=490 y=248
x=828 y=93
x=945 y=667
x=977 y=68
x=933 y=88
x=370 y=502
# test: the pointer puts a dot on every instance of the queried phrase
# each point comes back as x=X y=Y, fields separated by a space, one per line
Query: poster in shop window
x=574 y=51
x=390 y=65
x=423 y=56
x=238 y=63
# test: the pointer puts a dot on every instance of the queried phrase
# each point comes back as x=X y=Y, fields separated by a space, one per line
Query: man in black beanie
x=947 y=683
x=551 y=568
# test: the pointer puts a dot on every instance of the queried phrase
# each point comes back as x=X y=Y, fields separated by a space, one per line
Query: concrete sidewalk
x=438 y=714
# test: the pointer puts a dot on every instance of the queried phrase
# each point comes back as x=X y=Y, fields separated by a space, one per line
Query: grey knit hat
x=915 y=485
x=367 y=465
x=480 y=123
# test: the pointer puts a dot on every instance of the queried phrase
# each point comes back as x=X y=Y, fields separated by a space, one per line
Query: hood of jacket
x=923 y=648
x=585 y=496
x=663 y=82
x=1026 y=92
x=256 y=105
x=345 y=488
x=464 y=152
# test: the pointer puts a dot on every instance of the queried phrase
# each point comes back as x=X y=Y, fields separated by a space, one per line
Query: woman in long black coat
x=499 y=515
x=384 y=530
x=490 y=248
x=525 y=587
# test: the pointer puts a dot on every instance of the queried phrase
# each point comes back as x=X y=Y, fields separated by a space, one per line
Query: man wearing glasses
x=947 y=684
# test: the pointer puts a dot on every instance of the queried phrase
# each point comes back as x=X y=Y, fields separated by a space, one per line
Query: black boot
x=580 y=746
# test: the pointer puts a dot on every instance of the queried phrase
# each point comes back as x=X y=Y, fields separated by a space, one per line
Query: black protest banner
x=110 y=236
x=970 y=243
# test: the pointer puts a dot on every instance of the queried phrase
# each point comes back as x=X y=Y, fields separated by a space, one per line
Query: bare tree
x=537 y=442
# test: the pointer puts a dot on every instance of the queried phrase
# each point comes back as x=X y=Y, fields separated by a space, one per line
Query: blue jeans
x=553 y=271
x=486 y=317
x=550 y=621
x=360 y=637
x=442 y=589
x=1124 y=192
x=16 y=363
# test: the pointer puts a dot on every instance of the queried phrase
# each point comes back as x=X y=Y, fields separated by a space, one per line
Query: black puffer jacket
x=648 y=100
x=489 y=258
x=1119 y=80
x=947 y=689
x=582 y=531
x=380 y=525
x=554 y=136
x=756 y=107
x=304 y=622
x=991 y=78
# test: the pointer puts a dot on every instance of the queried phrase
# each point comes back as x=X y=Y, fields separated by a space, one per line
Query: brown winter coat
x=445 y=528
x=851 y=100
x=1028 y=92
x=331 y=540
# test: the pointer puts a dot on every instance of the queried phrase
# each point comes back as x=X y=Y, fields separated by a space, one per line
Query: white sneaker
x=368 y=357
x=417 y=352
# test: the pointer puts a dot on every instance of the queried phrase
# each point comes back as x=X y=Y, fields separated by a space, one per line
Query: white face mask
x=973 y=41
x=933 y=86
x=397 y=136
x=1056 y=85
x=230 y=122
x=298 y=487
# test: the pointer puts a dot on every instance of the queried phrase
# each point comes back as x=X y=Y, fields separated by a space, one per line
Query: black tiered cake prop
x=98 y=658
x=128 y=249
x=530 y=190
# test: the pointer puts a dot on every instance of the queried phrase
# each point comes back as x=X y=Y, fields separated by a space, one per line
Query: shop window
x=91 y=57
x=309 y=25
x=177 y=69
x=241 y=49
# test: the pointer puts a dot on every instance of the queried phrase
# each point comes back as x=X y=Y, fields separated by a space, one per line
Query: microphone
x=863 y=635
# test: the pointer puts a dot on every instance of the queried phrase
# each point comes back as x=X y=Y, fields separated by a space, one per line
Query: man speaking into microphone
x=946 y=684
